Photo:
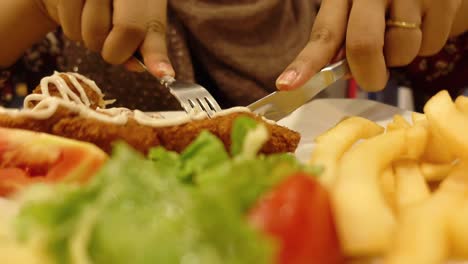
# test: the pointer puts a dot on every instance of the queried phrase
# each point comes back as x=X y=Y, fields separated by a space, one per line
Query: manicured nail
x=163 y=69
x=286 y=79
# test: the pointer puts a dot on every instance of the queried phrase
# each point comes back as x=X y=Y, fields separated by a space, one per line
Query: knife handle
x=335 y=71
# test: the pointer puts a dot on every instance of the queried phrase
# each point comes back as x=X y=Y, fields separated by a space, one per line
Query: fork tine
x=186 y=106
x=212 y=102
x=197 y=97
x=205 y=107
x=194 y=104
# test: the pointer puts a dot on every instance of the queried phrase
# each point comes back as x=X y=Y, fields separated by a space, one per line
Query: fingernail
x=286 y=79
x=163 y=69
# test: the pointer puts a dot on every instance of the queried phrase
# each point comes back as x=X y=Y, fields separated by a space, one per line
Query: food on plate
x=401 y=195
x=396 y=192
x=424 y=235
x=28 y=157
x=170 y=208
x=176 y=137
x=70 y=105
x=435 y=152
x=330 y=146
x=298 y=213
x=448 y=122
x=462 y=104
x=411 y=187
x=399 y=122
x=357 y=182
x=73 y=86
x=435 y=171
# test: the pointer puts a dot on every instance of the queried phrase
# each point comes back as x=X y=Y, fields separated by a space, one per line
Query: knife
x=278 y=105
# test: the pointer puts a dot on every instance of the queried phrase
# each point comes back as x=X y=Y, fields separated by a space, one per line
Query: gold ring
x=402 y=24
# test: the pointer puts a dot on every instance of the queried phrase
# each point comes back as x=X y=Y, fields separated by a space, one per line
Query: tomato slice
x=298 y=214
x=28 y=157
x=12 y=179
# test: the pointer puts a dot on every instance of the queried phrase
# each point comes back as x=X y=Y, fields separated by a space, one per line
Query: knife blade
x=278 y=105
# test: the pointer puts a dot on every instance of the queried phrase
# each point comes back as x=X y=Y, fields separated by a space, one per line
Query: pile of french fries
x=400 y=192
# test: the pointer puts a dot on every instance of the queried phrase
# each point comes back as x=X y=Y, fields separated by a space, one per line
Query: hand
x=371 y=45
x=117 y=29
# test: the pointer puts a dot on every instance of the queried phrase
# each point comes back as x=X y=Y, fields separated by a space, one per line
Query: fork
x=192 y=97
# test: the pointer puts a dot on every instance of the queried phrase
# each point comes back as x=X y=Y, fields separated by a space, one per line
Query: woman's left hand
x=378 y=34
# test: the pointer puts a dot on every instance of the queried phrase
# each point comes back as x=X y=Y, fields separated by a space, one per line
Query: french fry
x=401 y=121
x=387 y=185
x=434 y=172
x=422 y=235
x=410 y=186
x=418 y=117
x=457 y=183
x=417 y=138
x=435 y=152
x=428 y=230
x=458 y=228
x=364 y=220
x=398 y=122
x=462 y=104
x=448 y=122
x=392 y=126
x=380 y=194
x=332 y=144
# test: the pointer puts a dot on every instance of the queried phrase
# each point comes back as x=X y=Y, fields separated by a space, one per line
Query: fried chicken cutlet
x=175 y=138
x=61 y=108
x=80 y=89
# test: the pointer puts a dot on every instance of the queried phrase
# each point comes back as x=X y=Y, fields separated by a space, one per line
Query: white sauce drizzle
x=79 y=103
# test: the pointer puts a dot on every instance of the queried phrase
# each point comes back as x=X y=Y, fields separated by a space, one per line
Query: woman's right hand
x=116 y=29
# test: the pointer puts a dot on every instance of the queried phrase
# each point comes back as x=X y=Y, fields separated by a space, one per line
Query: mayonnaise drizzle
x=80 y=103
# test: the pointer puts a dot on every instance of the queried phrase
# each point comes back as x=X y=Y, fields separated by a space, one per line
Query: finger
x=154 y=49
x=128 y=31
x=326 y=38
x=460 y=23
x=96 y=23
x=437 y=24
x=402 y=44
x=341 y=54
x=364 y=44
x=69 y=12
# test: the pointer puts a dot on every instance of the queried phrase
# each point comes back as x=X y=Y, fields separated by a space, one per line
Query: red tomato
x=298 y=214
x=12 y=179
x=28 y=157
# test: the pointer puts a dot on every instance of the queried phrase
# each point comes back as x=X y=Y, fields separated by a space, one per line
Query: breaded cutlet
x=175 y=138
x=74 y=120
x=95 y=98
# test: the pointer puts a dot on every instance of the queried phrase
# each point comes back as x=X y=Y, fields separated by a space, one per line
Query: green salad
x=164 y=208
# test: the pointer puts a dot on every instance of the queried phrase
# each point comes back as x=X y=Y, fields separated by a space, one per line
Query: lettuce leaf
x=205 y=152
x=141 y=216
x=240 y=129
x=245 y=180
